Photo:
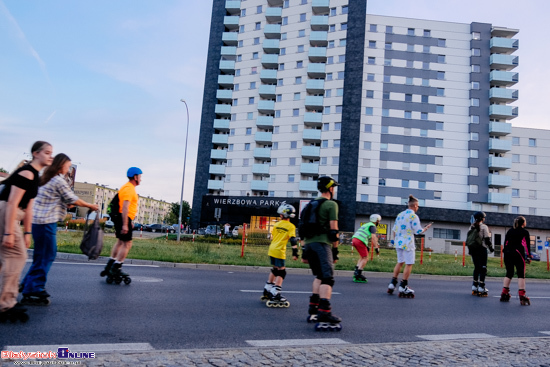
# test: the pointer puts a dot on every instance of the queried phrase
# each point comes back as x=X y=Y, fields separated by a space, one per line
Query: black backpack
x=309 y=225
x=114 y=207
x=473 y=240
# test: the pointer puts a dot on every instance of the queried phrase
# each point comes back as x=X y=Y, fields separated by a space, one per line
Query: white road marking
x=298 y=292
x=100 y=264
x=545 y=332
x=295 y=342
x=530 y=297
x=455 y=336
x=78 y=348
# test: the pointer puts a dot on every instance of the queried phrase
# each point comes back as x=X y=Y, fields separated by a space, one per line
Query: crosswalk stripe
x=295 y=342
x=455 y=336
x=81 y=348
x=297 y=292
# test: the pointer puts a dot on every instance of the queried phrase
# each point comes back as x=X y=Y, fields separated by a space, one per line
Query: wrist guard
x=295 y=252
x=335 y=253
x=333 y=235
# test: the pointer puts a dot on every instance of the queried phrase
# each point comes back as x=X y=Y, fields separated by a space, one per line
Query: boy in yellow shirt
x=282 y=232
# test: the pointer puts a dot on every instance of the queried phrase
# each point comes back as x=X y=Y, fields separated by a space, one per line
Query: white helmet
x=375 y=218
x=286 y=210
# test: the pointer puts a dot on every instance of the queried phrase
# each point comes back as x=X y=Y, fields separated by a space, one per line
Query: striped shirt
x=50 y=205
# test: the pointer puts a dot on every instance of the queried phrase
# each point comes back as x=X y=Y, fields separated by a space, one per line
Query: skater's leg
x=281 y=274
x=123 y=250
x=316 y=286
x=506 y=282
x=42 y=261
x=407 y=271
x=397 y=269
x=521 y=283
x=39 y=238
x=483 y=265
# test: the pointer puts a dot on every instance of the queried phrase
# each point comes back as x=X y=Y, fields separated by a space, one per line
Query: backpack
x=309 y=225
x=473 y=240
x=114 y=207
x=92 y=241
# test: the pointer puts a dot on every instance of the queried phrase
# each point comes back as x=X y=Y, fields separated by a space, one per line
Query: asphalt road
x=175 y=308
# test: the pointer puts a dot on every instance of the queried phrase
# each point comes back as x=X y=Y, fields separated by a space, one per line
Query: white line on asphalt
x=455 y=336
x=99 y=264
x=295 y=342
x=78 y=348
x=545 y=332
x=530 y=297
x=257 y=291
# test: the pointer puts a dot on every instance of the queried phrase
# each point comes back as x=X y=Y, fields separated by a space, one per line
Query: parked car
x=160 y=228
x=109 y=224
x=212 y=230
x=137 y=226
x=169 y=229
x=535 y=256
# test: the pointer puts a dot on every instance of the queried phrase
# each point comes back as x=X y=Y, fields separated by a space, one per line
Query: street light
x=184 y=160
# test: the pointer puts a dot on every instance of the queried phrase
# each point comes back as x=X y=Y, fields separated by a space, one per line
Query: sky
x=102 y=80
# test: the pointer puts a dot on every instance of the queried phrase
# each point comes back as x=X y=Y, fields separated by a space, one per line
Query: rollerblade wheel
x=127 y=281
x=286 y=304
x=23 y=317
x=390 y=291
x=109 y=280
x=118 y=281
x=269 y=304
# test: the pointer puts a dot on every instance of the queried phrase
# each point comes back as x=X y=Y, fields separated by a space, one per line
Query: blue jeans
x=45 y=250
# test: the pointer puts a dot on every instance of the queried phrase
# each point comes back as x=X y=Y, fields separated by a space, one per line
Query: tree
x=173 y=214
x=2 y=170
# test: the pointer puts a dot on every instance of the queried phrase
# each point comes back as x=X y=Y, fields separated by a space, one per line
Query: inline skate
x=117 y=276
x=41 y=298
x=475 y=285
x=14 y=314
x=267 y=292
x=313 y=308
x=358 y=276
x=391 y=286
x=523 y=299
x=482 y=291
x=108 y=267
x=326 y=321
x=505 y=295
x=405 y=291
x=277 y=300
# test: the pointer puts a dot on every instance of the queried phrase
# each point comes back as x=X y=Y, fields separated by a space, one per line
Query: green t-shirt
x=327 y=212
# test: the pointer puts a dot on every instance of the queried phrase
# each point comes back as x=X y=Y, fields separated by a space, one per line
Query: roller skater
x=117 y=276
x=405 y=291
x=318 y=231
x=14 y=314
x=505 y=295
x=283 y=231
x=41 y=298
x=361 y=239
x=478 y=241
x=407 y=225
x=516 y=251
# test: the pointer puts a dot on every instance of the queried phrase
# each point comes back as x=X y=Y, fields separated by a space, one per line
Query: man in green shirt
x=360 y=240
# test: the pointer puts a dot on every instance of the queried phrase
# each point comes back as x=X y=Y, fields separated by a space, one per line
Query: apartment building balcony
x=268 y=76
x=263 y=137
x=503 y=62
x=501 y=45
x=230 y=38
x=499 y=181
x=317 y=54
x=264 y=122
x=320 y=6
x=499 y=198
x=218 y=154
x=271 y=46
x=499 y=146
x=502 y=112
x=233 y=7
x=262 y=153
x=222 y=124
x=318 y=38
x=229 y=52
x=499 y=163
x=215 y=185
x=260 y=169
x=313 y=119
x=311 y=152
x=275 y=2
x=309 y=169
x=231 y=22
x=220 y=139
x=503 y=95
x=311 y=135
x=217 y=169
x=272 y=31
x=223 y=110
x=498 y=128
x=226 y=81
x=316 y=70
x=503 y=78
x=259 y=185
x=504 y=32
x=319 y=23
x=267 y=91
x=224 y=95
x=274 y=15
x=314 y=102
x=267 y=107
x=270 y=61
x=315 y=86
x=227 y=66
x=308 y=186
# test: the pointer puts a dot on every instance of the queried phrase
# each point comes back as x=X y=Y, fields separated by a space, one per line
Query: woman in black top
x=16 y=200
x=516 y=249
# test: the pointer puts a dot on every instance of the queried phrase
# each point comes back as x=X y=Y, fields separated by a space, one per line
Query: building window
x=335 y=161
x=410 y=32
x=367 y=145
x=474 y=102
x=440 y=92
x=476 y=36
x=439 y=143
x=408 y=97
x=383 y=147
x=385 y=129
x=341 y=58
x=296 y=112
x=370 y=77
x=285 y=20
x=474 y=171
x=439 y=109
x=259 y=9
x=256 y=40
x=475 y=86
x=290 y=178
x=476 y=52
x=385 y=112
x=282 y=51
x=281 y=66
x=297 y=96
x=515 y=193
x=278 y=98
x=474 y=136
x=474 y=119
x=248 y=131
x=410 y=48
x=441 y=42
x=438 y=177
x=476 y=69
x=387 y=62
x=447 y=234
x=330 y=60
x=532 y=194
x=254 y=70
x=251 y=100
x=277 y=113
x=340 y=75
x=275 y=146
x=364 y=198
x=427 y=33
x=515 y=158
x=515 y=140
x=328 y=93
x=298 y=80
x=332 y=28
x=283 y=36
x=326 y=110
x=326 y=126
x=243 y=12
x=409 y=81
x=410 y=64
x=302 y=33
x=332 y=12
x=382 y=182
x=258 y=26
x=371 y=60
x=404 y=183
x=386 y=95
x=300 y=48
x=438 y=160
x=441 y=59
x=474 y=153
x=532 y=142
x=250 y=116
x=293 y=144
x=372 y=28
x=303 y=17
x=532 y=159
x=437 y=195
x=532 y=177
x=389 y=29
x=369 y=94
x=299 y=64
x=408 y=114
x=336 y=143
x=338 y=109
x=323 y=161
x=246 y=146
x=369 y=111
x=372 y=44
x=292 y=161
x=387 y=79
x=337 y=126
x=426 y=65
x=441 y=75
x=515 y=210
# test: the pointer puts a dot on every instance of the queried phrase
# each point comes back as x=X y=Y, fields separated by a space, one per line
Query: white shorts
x=406 y=256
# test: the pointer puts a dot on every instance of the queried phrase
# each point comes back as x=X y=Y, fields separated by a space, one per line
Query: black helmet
x=479 y=216
x=326 y=182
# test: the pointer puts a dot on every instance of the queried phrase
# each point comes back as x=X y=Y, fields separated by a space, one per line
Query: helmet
x=326 y=182
x=286 y=210
x=479 y=216
x=132 y=171
x=375 y=218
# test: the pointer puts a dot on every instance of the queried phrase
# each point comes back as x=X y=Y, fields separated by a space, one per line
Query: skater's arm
x=125 y=207
x=27 y=224
x=294 y=244
x=334 y=227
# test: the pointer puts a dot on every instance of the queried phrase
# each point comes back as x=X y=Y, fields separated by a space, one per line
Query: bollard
x=67 y=226
x=421 y=249
x=501 y=248
x=547 y=261
x=193 y=236
x=166 y=233
x=140 y=231
x=243 y=240
x=456 y=254
x=430 y=257
x=220 y=240
x=463 y=254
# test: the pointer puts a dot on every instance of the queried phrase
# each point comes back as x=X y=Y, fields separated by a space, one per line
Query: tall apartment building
x=297 y=89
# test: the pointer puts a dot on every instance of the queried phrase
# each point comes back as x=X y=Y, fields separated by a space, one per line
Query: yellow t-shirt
x=128 y=193
x=281 y=234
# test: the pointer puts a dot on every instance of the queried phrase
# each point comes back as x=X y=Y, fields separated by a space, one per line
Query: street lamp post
x=184 y=160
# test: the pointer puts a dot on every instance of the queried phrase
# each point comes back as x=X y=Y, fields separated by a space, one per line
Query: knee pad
x=282 y=273
x=274 y=271
x=328 y=281
x=484 y=270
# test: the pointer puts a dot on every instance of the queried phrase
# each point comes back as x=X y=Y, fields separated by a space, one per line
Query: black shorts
x=319 y=257
x=117 y=220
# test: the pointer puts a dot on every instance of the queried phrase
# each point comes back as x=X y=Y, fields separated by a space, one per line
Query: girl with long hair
x=16 y=207
x=50 y=207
